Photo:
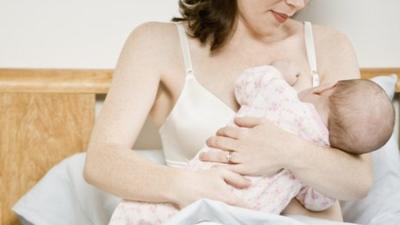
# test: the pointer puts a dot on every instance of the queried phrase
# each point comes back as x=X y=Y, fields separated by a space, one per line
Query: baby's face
x=317 y=95
x=308 y=95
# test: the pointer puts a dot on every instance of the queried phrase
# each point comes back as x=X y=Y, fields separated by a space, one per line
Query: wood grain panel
x=55 y=80
x=91 y=80
x=38 y=131
x=367 y=73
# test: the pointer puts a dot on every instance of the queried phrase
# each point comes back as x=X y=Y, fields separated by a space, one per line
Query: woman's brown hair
x=209 y=20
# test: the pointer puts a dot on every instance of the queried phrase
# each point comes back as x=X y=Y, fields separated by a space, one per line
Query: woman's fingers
x=235 y=179
x=249 y=169
x=223 y=143
x=247 y=121
x=242 y=169
x=220 y=156
x=213 y=155
x=235 y=201
x=230 y=131
x=238 y=168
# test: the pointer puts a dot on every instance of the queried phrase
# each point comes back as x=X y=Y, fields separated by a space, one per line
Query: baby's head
x=361 y=116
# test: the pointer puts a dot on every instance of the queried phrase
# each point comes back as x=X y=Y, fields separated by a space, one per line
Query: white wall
x=90 y=33
x=72 y=33
x=373 y=26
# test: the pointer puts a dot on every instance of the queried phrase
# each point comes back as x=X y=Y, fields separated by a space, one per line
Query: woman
x=185 y=84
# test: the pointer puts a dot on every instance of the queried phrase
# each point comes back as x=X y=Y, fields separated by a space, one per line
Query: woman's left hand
x=258 y=147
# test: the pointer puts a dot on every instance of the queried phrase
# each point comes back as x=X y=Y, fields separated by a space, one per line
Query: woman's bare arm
x=332 y=172
x=111 y=164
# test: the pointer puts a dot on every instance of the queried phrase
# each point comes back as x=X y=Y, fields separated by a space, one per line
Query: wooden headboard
x=47 y=115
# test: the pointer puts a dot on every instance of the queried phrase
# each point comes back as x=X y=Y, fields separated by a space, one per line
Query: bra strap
x=185 y=49
x=311 y=53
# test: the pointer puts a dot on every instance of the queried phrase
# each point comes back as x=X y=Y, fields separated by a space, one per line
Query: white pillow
x=388 y=83
x=63 y=197
x=382 y=205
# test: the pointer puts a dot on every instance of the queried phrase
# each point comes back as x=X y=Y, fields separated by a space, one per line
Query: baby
x=352 y=110
x=355 y=125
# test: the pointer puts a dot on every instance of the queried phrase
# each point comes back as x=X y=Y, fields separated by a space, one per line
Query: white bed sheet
x=210 y=211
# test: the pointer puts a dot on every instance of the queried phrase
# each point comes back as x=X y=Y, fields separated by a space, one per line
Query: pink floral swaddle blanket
x=261 y=92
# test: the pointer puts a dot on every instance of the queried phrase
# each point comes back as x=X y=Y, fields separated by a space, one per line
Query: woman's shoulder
x=156 y=39
x=328 y=35
x=324 y=36
x=335 y=53
x=154 y=32
x=155 y=26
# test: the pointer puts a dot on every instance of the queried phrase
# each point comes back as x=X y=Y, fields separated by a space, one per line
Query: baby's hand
x=288 y=70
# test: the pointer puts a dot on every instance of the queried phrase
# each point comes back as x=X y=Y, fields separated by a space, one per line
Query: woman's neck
x=245 y=45
x=246 y=37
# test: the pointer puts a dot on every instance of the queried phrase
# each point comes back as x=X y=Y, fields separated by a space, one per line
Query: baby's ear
x=324 y=87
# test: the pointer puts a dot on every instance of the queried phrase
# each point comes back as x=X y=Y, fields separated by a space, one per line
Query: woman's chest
x=219 y=76
x=215 y=76
x=204 y=104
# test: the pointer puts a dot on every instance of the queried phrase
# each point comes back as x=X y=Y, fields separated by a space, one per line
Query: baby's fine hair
x=361 y=117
